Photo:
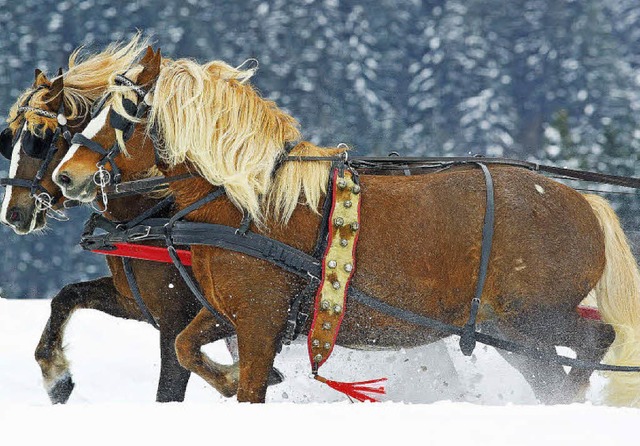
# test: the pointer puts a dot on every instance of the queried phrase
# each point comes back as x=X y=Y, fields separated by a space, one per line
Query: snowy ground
x=115 y=367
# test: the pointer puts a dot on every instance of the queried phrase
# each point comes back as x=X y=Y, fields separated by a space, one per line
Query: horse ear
x=54 y=95
x=40 y=79
x=150 y=67
x=148 y=56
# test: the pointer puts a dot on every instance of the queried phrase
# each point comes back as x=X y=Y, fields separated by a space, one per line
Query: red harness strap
x=589 y=313
x=145 y=252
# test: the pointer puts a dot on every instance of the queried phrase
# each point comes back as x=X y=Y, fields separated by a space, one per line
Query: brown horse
x=419 y=242
x=170 y=302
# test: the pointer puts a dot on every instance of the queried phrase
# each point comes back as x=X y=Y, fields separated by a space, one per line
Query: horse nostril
x=14 y=216
x=64 y=179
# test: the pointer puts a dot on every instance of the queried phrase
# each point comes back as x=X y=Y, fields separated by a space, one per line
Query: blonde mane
x=85 y=81
x=210 y=116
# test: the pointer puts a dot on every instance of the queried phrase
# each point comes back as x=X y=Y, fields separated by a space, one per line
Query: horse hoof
x=61 y=390
x=275 y=377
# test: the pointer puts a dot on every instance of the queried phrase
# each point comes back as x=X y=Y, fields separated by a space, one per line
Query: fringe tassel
x=356 y=390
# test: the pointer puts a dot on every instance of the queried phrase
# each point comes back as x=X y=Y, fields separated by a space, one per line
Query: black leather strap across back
x=468 y=338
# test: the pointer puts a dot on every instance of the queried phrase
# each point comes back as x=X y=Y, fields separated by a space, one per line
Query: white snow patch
x=115 y=364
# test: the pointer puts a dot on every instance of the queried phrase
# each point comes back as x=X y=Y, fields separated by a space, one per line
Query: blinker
x=6 y=143
x=120 y=122
x=36 y=146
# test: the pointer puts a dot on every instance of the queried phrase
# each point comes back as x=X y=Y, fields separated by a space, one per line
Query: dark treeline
x=551 y=81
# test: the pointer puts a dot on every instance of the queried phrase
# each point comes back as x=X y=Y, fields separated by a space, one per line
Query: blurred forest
x=551 y=81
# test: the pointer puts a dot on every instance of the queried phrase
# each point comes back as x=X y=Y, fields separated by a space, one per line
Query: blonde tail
x=618 y=297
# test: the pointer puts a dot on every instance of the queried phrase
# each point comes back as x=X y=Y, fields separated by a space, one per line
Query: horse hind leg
x=590 y=340
x=545 y=378
x=99 y=294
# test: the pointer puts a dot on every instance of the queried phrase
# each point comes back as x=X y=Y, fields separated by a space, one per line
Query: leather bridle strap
x=107 y=156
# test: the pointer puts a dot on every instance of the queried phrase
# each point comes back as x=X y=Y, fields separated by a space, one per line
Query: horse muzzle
x=81 y=189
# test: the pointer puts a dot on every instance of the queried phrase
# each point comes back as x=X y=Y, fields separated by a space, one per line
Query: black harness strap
x=468 y=338
x=170 y=239
x=133 y=286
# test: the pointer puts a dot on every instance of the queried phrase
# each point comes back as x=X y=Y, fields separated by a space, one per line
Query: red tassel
x=356 y=390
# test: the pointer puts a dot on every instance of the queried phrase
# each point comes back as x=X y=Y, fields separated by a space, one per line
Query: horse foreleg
x=174 y=378
x=202 y=330
x=99 y=294
x=257 y=349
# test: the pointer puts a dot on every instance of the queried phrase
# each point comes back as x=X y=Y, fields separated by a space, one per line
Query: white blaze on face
x=91 y=130
x=13 y=170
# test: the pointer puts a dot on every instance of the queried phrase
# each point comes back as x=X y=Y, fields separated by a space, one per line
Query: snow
x=115 y=365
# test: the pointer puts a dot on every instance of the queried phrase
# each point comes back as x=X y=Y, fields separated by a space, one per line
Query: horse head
x=34 y=143
x=114 y=145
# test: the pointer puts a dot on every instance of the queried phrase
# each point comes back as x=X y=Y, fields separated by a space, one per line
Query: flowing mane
x=85 y=81
x=210 y=116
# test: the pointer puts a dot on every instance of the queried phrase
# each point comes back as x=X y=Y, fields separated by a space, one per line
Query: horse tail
x=618 y=298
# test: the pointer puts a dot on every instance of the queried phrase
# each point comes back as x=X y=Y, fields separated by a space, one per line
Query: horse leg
x=257 y=349
x=590 y=340
x=545 y=378
x=174 y=378
x=99 y=294
x=202 y=330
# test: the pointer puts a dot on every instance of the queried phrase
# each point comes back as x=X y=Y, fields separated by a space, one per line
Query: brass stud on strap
x=355 y=226
x=338 y=221
x=342 y=183
x=337 y=309
x=348 y=204
x=348 y=267
x=325 y=305
x=315 y=343
x=355 y=189
x=327 y=345
x=332 y=264
x=336 y=285
x=317 y=358
x=326 y=326
x=344 y=242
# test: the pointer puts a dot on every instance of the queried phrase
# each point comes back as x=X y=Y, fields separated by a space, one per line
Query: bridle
x=44 y=148
x=103 y=178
